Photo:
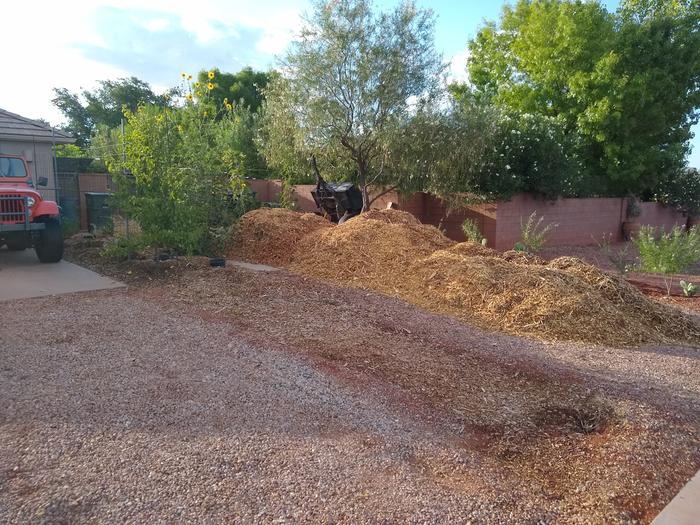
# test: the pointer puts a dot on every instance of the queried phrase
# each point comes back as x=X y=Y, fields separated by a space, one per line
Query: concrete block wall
x=579 y=222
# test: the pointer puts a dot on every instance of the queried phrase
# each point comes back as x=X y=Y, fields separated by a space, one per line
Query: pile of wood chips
x=389 y=251
x=270 y=235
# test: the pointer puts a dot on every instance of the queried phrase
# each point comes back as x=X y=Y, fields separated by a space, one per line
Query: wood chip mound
x=565 y=300
x=371 y=251
x=391 y=252
x=270 y=235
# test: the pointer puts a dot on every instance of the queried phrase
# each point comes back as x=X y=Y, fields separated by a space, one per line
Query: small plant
x=121 y=248
x=471 y=231
x=619 y=258
x=668 y=253
x=533 y=235
x=689 y=289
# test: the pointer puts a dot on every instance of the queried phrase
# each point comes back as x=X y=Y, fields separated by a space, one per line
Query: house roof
x=17 y=128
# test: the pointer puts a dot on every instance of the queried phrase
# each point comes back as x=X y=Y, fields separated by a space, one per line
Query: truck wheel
x=49 y=245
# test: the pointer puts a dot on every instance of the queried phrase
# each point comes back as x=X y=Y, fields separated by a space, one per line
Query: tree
x=245 y=87
x=103 y=106
x=348 y=85
x=627 y=84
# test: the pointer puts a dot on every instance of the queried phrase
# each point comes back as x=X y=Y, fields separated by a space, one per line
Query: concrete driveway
x=23 y=276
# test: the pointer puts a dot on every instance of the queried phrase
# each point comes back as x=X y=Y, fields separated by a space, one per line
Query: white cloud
x=458 y=67
x=50 y=43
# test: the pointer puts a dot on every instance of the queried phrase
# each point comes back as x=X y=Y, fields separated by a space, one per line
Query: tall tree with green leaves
x=627 y=84
x=245 y=87
x=348 y=85
x=104 y=106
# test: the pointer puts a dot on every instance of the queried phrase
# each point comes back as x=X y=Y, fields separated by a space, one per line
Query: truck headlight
x=30 y=201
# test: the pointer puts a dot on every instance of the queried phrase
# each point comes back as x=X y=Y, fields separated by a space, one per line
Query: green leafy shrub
x=533 y=235
x=471 y=231
x=668 y=253
x=183 y=177
x=121 y=247
x=689 y=289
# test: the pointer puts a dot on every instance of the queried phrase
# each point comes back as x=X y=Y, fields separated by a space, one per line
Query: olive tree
x=348 y=85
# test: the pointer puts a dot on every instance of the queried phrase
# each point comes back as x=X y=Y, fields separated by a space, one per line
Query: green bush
x=471 y=231
x=668 y=253
x=533 y=235
x=689 y=289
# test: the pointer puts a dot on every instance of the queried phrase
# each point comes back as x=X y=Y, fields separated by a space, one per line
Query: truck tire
x=49 y=245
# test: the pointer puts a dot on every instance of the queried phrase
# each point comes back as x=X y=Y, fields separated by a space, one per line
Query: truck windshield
x=11 y=167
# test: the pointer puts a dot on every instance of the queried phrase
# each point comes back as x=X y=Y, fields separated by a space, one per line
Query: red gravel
x=232 y=396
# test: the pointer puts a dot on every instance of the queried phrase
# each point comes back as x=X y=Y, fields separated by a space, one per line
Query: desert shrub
x=533 y=234
x=689 y=289
x=619 y=258
x=471 y=231
x=668 y=253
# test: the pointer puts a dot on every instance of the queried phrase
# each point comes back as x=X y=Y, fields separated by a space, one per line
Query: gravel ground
x=227 y=396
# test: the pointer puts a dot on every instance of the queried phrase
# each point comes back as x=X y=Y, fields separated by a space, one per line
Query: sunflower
x=229 y=106
x=211 y=75
x=183 y=75
x=189 y=77
x=189 y=97
x=210 y=86
x=196 y=84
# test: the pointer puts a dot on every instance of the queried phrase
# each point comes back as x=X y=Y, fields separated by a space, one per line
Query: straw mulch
x=391 y=252
x=270 y=235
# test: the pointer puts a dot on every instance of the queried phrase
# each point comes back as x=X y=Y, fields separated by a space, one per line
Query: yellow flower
x=183 y=75
x=205 y=113
x=179 y=128
x=229 y=106
x=225 y=100
x=211 y=75
x=189 y=97
x=189 y=77
x=196 y=84
x=210 y=86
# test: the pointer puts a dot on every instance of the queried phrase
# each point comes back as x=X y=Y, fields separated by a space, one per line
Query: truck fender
x=44 y=208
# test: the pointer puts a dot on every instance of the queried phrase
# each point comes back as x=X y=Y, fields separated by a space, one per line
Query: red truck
x=26 y=219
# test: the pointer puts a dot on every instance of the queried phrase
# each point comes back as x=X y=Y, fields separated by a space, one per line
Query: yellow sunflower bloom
x=189 y=77
x=210 y=86
x=229 y=106
x=225 y=100
x=189 y=97
x=196 y=84
x=211 y=75
x=183 y=75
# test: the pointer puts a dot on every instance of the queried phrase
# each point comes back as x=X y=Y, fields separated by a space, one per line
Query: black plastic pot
x=217 y=262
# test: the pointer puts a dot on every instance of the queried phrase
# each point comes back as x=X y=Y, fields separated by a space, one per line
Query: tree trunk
x=362 y=182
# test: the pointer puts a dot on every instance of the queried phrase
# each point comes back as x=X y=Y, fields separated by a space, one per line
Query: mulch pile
x=392 y=252
x=270 y=235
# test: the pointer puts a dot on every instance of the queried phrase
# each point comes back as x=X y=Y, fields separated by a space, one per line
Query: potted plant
x=630 y=227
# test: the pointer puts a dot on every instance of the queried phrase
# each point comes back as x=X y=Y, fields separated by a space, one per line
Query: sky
x=74 y=44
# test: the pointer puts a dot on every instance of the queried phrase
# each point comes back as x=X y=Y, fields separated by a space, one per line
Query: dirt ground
x=224 y=395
